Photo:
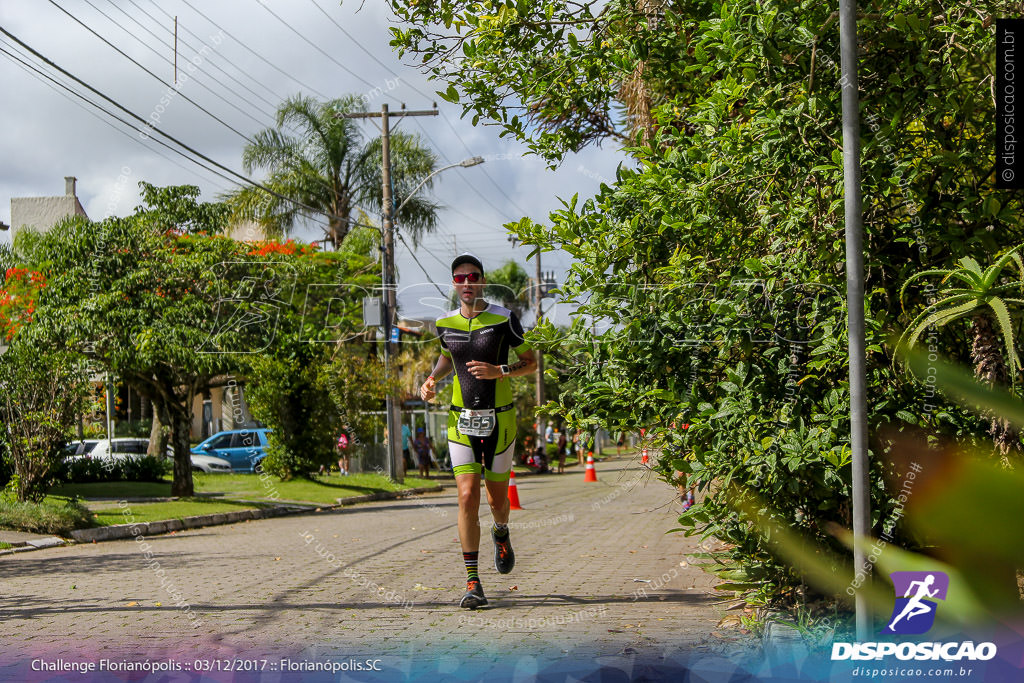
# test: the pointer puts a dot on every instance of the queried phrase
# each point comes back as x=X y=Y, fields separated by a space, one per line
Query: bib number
x=477 y=422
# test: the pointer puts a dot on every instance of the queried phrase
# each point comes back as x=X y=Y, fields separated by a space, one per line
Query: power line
x=200 y=67
x=522 y=212
x=40 y=76
x=417 y=90
x=413 y=254
x=131 y=59
x=255 y=53
x=100 y=107
x=314 y=45
x=247 y=138
x=166 y=59
x=210 y=62
x=135 y=116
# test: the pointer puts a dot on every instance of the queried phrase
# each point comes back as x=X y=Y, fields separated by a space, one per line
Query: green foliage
x=316 y=376
x=713 y=266
x=981 y=567
x=44 y=390
x=160 y=300
x=322 y=161
x=979 y=288
x=286 y=396
x=58 y=517
x=84 y=470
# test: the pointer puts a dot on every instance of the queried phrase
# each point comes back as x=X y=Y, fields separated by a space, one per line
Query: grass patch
x=156 y=512
x=325 y=490
x=57 y=516
x=250 y=487
x=5 y=546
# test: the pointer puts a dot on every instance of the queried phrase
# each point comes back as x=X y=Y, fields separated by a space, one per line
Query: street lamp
x=465 y=163
x=4 y=226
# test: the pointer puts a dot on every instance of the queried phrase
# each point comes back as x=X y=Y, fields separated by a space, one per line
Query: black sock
x=500 y=530
x=471 y=563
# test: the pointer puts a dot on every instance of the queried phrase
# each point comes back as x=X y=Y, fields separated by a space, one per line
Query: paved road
x=381 y=581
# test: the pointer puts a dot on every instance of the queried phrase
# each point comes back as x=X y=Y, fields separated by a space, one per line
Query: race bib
x=477 y=422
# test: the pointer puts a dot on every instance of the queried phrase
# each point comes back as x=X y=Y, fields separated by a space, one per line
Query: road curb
x=121 y=531
x=34 y=544
x=386 y=495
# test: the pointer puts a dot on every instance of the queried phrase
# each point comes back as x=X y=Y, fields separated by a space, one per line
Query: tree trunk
x=338 y=232
x=989 y=367
x=180 y=423
x=157 y=437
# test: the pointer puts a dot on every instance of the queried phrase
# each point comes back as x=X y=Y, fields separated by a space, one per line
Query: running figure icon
x=915 y=606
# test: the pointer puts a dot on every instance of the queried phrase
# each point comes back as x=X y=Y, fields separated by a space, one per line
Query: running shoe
x=474 y=596
x=504 y=556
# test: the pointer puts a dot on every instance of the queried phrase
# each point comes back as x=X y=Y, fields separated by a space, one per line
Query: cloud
x=46 y=137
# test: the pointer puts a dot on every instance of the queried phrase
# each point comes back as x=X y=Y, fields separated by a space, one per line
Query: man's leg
x=497 y=498
x=469 y=510
x=496 y=476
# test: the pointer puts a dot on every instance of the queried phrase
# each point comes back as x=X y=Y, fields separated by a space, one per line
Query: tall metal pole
x=396 y=464
x=855 y=304
x=541 y=441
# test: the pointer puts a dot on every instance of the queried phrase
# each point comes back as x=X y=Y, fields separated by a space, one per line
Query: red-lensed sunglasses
x=462 y=277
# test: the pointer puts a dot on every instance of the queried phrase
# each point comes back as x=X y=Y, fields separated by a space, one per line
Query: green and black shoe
x=474 y=596
x=504 y=556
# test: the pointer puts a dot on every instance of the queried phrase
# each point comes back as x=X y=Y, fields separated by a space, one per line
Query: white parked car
x=127 y=447
x=210 y=464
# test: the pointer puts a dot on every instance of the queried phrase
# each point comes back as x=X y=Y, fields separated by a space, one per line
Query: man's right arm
x=441 y=369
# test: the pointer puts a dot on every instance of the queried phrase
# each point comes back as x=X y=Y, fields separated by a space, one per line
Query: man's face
x=468 y=291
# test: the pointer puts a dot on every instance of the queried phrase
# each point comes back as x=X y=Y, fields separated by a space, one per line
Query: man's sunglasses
x=462 y=277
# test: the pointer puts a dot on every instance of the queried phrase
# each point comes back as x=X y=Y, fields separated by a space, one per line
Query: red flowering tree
x=163 y=301
x=18 y=297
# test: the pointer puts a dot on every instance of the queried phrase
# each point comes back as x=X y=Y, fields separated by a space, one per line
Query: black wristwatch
x=505 y=371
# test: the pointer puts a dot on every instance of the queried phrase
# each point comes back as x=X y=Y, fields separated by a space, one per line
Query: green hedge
x=86 y=470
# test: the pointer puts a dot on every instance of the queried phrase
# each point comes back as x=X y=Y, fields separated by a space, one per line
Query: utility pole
x=855 y=307
x=541 y=440
x=396 y=464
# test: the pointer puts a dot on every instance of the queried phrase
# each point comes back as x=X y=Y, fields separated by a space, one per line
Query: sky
x=252 y=54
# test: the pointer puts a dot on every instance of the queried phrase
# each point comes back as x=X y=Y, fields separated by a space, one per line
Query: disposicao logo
x=914 y=614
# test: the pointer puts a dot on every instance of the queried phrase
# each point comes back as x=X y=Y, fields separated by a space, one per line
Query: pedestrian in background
x=562 y=441
x=423 y=449
x=343 y=455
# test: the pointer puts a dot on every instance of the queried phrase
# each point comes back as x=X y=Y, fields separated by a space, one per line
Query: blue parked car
x=243 y=448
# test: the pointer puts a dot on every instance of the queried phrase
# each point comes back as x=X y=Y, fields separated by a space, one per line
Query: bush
x=48 y=517
x=87 y=470
x=44 y=391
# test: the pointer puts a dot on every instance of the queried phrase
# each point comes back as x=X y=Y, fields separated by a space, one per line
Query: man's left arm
x=526 y=364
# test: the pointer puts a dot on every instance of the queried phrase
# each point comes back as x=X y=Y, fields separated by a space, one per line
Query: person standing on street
x=475 y=342
x=562 y=443
x=343 y=455
x=421 y=444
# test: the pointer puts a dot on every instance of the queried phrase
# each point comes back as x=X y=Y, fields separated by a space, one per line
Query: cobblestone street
x=381 y=580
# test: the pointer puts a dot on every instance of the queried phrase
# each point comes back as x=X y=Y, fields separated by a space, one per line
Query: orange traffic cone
x=591 y=473
x=513 y=492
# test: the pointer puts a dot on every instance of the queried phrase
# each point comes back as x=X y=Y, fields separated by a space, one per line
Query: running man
x=475 y=341
x=915 y=606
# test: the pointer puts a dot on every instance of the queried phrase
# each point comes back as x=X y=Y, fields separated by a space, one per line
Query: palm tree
x=318 y=160
x=981 y=295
